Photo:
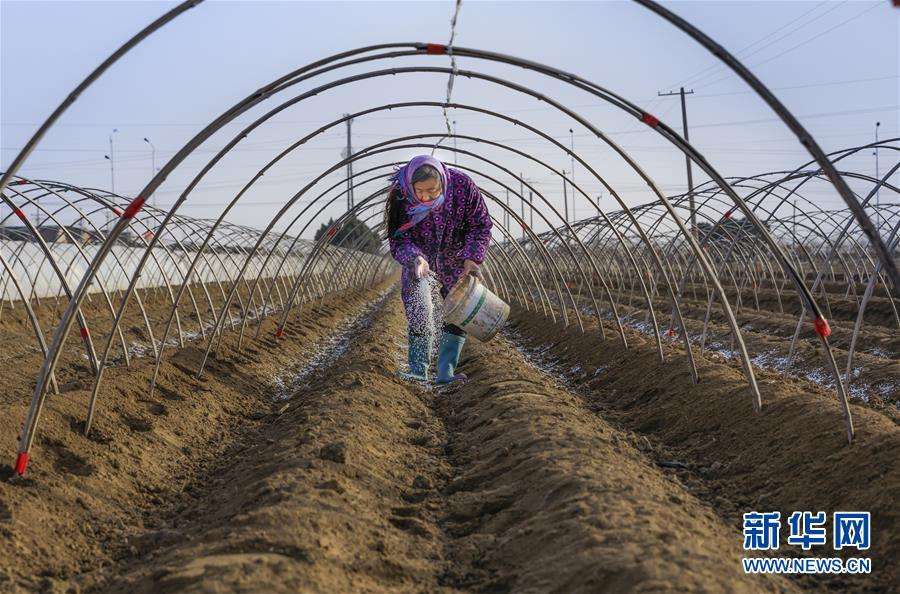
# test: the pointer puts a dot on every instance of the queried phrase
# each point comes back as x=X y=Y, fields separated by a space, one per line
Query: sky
x=833 y=63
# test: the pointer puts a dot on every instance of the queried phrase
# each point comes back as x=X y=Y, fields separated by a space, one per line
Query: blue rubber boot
x=448 y=358
x=419 y=357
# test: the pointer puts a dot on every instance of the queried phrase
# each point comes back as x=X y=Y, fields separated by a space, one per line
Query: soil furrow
x=616 y=476
x=548 y=497
x=874 y=378
x=792 y=456
x=90 y=501
x=363 y=482
x=336 y=492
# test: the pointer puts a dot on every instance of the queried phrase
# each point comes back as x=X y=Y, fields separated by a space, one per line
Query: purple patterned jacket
x=460 y=230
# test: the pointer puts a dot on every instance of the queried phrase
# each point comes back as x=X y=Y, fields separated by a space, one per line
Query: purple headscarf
x=415 y=209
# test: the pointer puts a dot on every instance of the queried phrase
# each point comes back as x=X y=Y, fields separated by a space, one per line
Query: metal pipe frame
x=562 y=241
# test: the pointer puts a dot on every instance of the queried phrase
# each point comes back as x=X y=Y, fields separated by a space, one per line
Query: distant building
x=51 y=234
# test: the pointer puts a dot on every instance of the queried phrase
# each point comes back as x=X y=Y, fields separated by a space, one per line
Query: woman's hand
x=471 y=267
x=420 y=267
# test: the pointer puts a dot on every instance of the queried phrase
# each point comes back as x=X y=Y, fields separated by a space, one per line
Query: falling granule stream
x=426 y=312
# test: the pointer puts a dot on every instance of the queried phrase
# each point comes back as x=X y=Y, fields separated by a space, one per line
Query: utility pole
x=565 y=198
x=522 y=200
x=111 y=157
x=152 y=164
x=687 y=159
x=112 y=162
x=572 y=170
x=506 y=212
x=350 y=200
x=877 y=174
x=794 y=222
x=454 y=142
x=531 y=210
x=530 y=224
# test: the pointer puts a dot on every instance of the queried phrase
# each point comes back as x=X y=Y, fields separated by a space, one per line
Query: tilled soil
x=618 y=476
x=368 y=483
x=550 y=497
x=767 y=333
x=792 y=456
x=88 y=501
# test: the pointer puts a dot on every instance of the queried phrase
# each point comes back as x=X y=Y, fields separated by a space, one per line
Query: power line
x=744 y=55
x=417 y=117
x=143 y=157
x=716 y=65
x=259 y=147
x=645 y=129
x=806 y=86
x=652 y=103
x=801 y=44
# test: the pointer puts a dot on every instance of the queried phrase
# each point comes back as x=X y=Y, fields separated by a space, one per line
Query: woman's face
x=427 y=190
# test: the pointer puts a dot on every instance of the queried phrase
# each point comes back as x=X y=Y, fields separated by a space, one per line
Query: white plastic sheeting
x=37 y=277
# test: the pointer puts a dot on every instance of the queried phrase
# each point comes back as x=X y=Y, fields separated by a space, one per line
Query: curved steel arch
x=129 y=213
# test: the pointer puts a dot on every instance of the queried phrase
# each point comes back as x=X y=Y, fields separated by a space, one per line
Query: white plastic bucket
x=475 y=309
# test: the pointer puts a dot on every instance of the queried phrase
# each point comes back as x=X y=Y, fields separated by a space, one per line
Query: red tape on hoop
x=21 y=463
x=650 y=119
x=435 y=49
x=822 y=327
x=136 y=205
x=19 y=213
x=279 y=333
x=84 y=332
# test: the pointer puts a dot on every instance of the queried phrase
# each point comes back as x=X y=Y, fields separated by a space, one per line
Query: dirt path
x=367 y=483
